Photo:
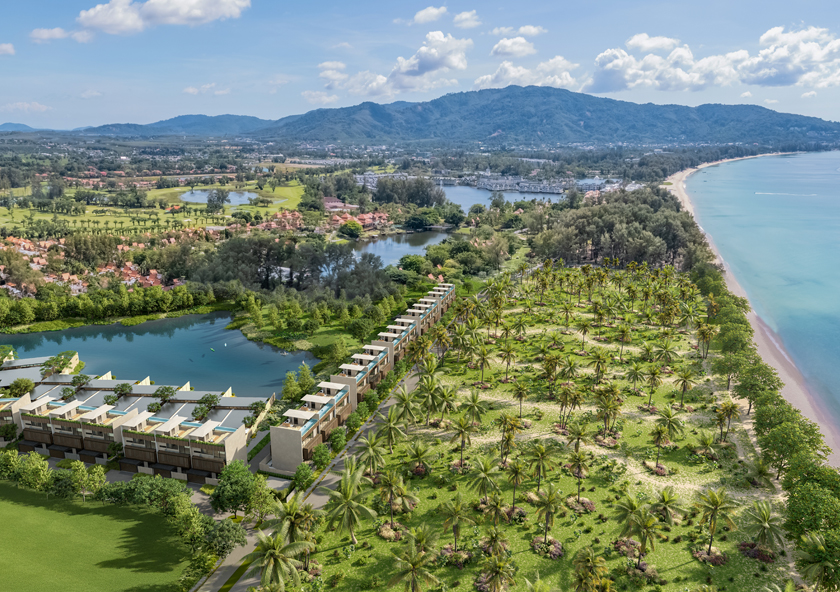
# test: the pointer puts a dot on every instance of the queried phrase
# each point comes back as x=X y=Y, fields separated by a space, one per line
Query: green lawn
x=84 y=547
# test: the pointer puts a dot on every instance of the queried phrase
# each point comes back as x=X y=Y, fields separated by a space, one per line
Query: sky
x=74 y=63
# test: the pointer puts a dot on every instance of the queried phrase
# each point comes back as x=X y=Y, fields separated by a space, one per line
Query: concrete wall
x=286 y=449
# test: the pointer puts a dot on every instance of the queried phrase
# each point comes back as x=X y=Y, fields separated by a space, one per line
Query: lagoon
x=392 y=248
x=776 y=223
x=237 y=198
x=466 y=196
x=172 y=351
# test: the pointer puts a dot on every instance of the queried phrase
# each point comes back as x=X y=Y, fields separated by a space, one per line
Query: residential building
x=313 y=421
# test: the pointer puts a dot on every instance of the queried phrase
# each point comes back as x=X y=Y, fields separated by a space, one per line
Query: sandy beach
x=769 y=344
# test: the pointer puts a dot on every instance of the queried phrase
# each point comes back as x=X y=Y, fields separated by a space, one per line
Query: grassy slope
x=78 y=547
x=671 y=560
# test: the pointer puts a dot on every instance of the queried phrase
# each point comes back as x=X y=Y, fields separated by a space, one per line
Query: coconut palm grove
x=588 y=429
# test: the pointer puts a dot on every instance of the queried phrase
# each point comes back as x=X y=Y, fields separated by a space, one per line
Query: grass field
x=283 y=198
x=84 y=547
x=613 y=473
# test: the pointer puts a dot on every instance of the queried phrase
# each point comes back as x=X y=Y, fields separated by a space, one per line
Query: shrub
x=551 y=549
x=321 y=456
x=338 y=439
x=303 y=477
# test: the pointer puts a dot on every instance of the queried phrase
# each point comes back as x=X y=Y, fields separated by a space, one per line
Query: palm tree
x=410 y=566
x=455 y=515
x=635 y=372
x=626 y=508
x=644 y=526
x=673 y=425
x=659 y=437
x=496 y=540
x=577 y=435
x=706 y=444
x=274 y=559
x=372 y=452
x=583 y=326
x=539 y=461
x=474 y=407
x=418 y=455
x=482 y=358
x=391 y=427
x=393 y=491
x=625 y=335
x=762 y=525
x=520 y=393
x=654 y=380
x=815 y=562
x=508 y=356
x=484 y=480
x=540 y=585
x=714 y=505
x=567 y=310
x=346 y=506
x=599 y=360
x=668 y=505
x=685 y=381
x=462 y=428
x=495 y=508
x=500 y=572
x=666 y=352
x=730 y=409
x=428 y=391
x=579 y=465
x=299 y=517
x=423 y=537
x=406 y=404
x=447 y=400
x=548 y=504
x=516 y=476
x=589 y=569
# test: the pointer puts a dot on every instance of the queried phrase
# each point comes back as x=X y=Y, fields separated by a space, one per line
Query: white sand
x=769 y=344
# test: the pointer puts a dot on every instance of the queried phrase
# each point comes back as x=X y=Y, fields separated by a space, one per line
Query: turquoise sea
x=776 y=222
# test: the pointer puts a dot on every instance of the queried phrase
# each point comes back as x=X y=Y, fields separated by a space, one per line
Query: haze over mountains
x=529 y=115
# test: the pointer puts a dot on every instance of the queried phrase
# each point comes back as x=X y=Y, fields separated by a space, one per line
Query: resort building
x=191 y=437
x=311 y=423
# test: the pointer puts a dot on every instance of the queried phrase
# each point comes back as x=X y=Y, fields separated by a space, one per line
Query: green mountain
x=512 y=115
x=548 y=115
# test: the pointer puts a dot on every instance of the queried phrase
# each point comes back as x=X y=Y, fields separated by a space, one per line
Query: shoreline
x=769 y=344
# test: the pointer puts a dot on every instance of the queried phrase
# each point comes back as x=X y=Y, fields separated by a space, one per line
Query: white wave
x=790 y=194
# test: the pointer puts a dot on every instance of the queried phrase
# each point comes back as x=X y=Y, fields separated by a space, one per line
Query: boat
x=212 y=350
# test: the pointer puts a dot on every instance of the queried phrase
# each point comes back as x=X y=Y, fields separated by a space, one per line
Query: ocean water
x=776 y=222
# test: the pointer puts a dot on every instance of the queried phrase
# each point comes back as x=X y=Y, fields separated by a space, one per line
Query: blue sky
x=70 y=63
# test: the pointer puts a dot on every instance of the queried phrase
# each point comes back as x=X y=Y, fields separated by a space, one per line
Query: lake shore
x=768 y=343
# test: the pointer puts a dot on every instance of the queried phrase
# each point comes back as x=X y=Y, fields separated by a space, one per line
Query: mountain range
x=530 y=115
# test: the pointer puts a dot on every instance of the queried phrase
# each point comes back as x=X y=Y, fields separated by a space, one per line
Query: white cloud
x=645 y=43
x=428 y=15
x=516 y=47
x=7 y=49
x=807 y=57
x=342 y=45
x=809 y=95
x=90 y=94
x=23 y=107
x=467 y=20
x=319 y=97
x=423 y=71
x=524 y=31
x=124 y=17
x=746 y=95
x=204 y=89
x=531 y=30
x=555 y=72
x=47 y=35
x=770 y=101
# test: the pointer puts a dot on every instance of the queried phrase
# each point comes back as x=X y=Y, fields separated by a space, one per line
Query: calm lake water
x=237 y=198
x=172 y=351
x=392 y=248
x=466 y=196
x=776 y=222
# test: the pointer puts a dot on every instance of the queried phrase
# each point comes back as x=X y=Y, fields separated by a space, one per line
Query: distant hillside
x=15 y=127
x=539 y=114
x=512 y=115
